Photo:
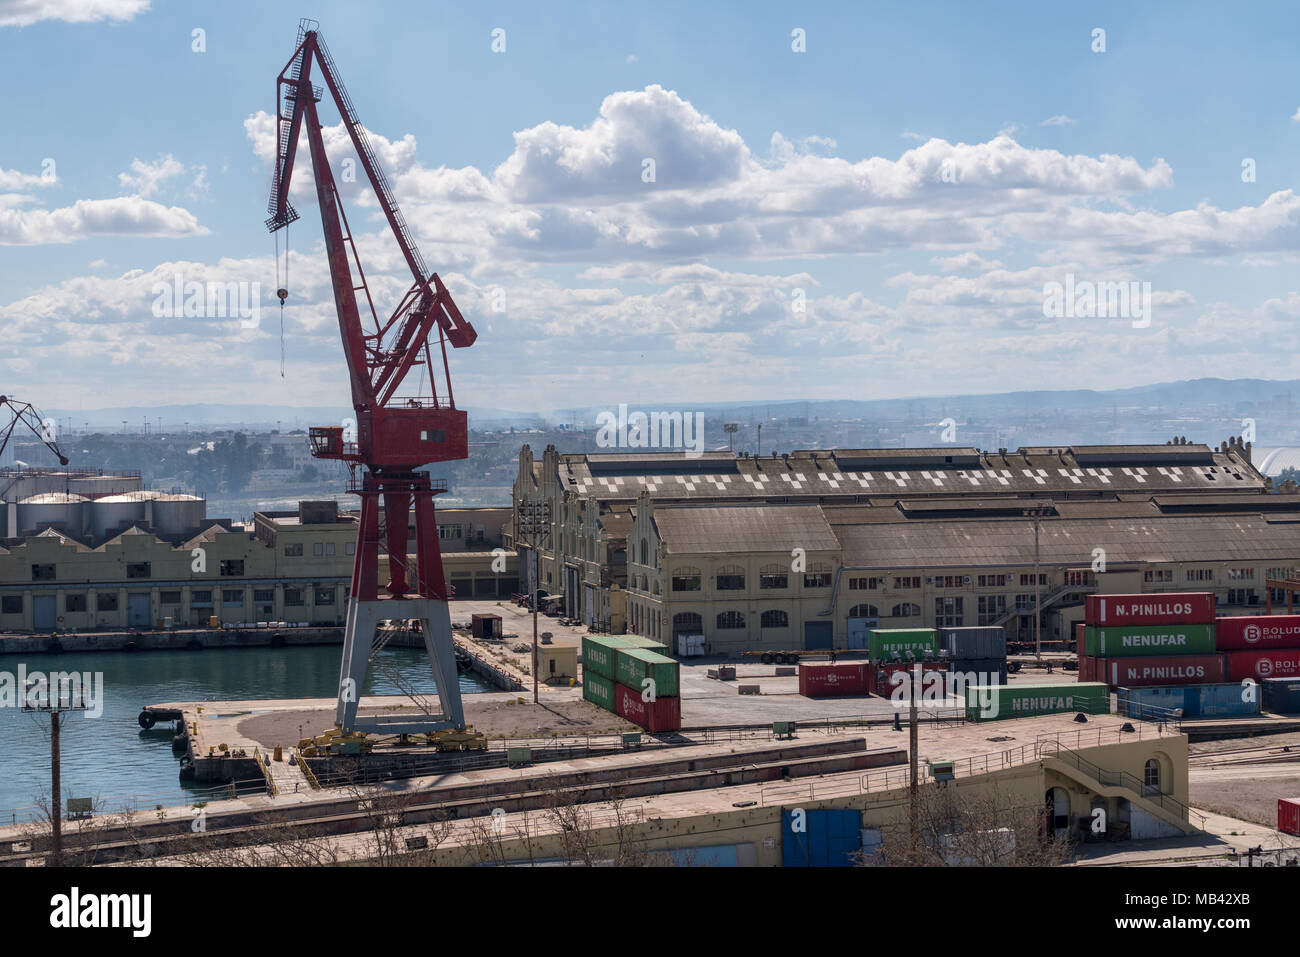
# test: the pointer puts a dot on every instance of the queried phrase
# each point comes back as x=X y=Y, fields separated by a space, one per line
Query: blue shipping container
x=825 y=838
x=1281 y=695
x=1195 y=701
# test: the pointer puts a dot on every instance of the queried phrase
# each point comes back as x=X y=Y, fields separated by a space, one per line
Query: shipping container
x=976 y=641
x=996 y=702
x=1172 y=608
x=880 y=676
x=1080 y=641
x=1139 y=641
x=821 y=679
x=1194 y=701
x=992 y=671
x=662 y=714
x=1165 y=670
x=884 y=643
x=598 y=650
x=1257 y=632
x=1288 y=815
x=1283 y=663
x=1281 y=695
x=632 y=666
x=598 y=689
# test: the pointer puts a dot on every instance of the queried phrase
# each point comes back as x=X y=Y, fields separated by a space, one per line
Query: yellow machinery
x=334 y=741
x=452 y=740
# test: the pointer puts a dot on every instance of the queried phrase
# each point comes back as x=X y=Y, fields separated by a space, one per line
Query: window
x=991 y=608
x=293 y=551
x=773 y=576
x=645 y=552
x=11 y=605
x=42 y=573
x=731 y=578
x=688 y=623
x=1158 y=575
x=950 y=581
x=947 y=613
x=861 y=584
x=1079 y=578
x=908 y=581
x=232 y=566
x=263 y=594
x=1151 y=776
x=1024 y=603
x=201 y=597
x=325 y=596
x=74 y=602
x=447 y=532
x=1200 y=574
x=329 y=548
x=906 y=610
x=433 y=435
x=775 y=618
x=350 y=548
x=686 y=579
x=731 y=619
x=1241 y=574
x=293 y=597
x=864 y=611
x=1242 y=596
x=106 y=601
x=992 y=581
x=137 y=570
x=232 y=596
x=1026 y=580
x=817 y=578
x=318 y=549
x=169 y=598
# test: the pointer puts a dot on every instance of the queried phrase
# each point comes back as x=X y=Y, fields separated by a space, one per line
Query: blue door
x=820 y=838
x=817 y=635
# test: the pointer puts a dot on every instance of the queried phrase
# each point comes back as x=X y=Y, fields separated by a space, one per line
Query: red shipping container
x=1165 y=670
x=1283 y=663
x=662 y=714
x=1087 y=668
x=878 y=678
x=822 y=679
x=1288 y=815
x=1257 y=632
x=1173 y=608
x=1080 y=645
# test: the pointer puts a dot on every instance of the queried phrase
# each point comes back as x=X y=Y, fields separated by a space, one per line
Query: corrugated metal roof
x=757 y=528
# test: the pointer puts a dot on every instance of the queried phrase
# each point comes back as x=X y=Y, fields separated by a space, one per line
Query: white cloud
x=1060 y=119
x=14 y=179
x=1295 y=117
x=123 y=216
x=22 y=13
x=145 y=179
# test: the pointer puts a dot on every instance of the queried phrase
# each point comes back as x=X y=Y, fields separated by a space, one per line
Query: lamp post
x=1037 y=513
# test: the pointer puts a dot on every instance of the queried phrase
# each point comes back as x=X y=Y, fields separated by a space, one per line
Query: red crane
x=397 y=430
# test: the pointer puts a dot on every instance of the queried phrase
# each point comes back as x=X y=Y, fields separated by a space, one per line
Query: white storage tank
x=110 y=515
x=177 y=516
x=100 y=485
x=61 y=510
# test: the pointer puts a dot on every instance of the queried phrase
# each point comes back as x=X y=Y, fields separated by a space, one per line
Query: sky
x=662 y=203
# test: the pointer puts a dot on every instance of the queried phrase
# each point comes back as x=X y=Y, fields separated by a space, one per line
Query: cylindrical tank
x=97 y=486
x=110 y=515
x=178 y=516
x=61 y=510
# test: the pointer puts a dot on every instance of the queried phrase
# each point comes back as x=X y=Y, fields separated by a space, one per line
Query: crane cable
x=282 y=291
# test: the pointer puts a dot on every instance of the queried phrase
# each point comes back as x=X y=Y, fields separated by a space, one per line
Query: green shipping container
x=883 y=642
x=633 y=665
x=599 y=690
x=1140 y=641
x=995 y=702
x=598 y=651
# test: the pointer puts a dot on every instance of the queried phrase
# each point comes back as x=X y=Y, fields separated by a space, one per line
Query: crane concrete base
x=358 y=637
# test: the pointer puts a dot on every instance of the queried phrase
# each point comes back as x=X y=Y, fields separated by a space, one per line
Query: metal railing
x=1122 y=779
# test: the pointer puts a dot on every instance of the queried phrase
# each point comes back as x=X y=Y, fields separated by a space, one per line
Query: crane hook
x=283 y=294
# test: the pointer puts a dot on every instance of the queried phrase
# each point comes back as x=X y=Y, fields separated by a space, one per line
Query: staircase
x=1120 y=784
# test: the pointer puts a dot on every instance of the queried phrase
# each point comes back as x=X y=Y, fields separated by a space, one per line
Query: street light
x=1038 y=513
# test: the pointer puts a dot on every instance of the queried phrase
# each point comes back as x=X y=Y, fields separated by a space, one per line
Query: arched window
x=775 y=618
x=864 y=611
x=686 y=579
x=645 y=552
x=1151 y=776
x=687 y=623
x=731 y=619
x=906 y=610
x=773 y=576
x=731 y=578
x=655 y=586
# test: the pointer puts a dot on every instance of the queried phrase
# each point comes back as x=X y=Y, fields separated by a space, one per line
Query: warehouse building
x=812 y=549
